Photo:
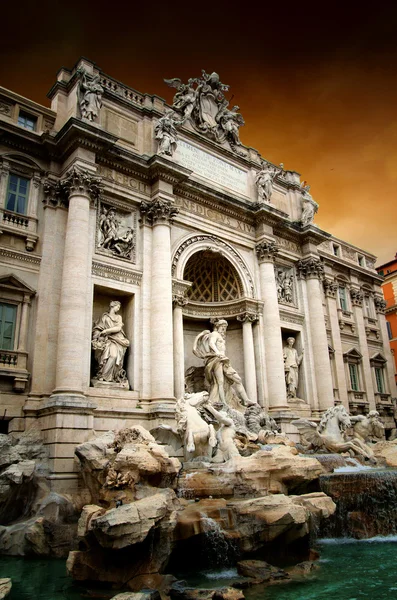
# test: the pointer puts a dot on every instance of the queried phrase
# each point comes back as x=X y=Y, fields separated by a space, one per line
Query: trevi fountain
x=204 y=407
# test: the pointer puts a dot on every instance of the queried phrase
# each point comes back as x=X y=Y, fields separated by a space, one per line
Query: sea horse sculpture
x=330 y=433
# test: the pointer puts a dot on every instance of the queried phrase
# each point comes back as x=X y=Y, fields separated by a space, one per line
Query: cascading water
x=220 y=551
x=366 y=500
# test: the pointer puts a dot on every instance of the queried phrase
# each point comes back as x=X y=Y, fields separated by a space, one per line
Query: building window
x=360 y=260
x=17 y=194
x=368 y=310
x=336 y=250
x=354 y=382
x=342 y=298
x=389 y=330
x=8 y=315
x=380 y=382
x=27 y=121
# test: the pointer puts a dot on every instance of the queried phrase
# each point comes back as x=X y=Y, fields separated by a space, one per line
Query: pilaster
x=331 y=290
x=356 y=297
x=380 y=308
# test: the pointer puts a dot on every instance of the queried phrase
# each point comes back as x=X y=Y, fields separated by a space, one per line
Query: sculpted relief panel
x=116 y=233
x=285 y=285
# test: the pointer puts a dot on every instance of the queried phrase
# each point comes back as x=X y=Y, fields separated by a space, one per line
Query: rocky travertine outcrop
x=386 y=453
x=33 y=520
x=276 y=471
x=248 y=524
x=122 y=465
x=5 y=587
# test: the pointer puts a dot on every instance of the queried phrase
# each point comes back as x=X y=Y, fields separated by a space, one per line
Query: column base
x=68 y=400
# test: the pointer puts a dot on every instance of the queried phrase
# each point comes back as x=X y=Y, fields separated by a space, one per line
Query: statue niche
x=110 y=344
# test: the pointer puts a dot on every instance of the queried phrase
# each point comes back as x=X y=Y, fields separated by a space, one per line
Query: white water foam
x=353 y=469
x=377 y=539
x=224 y=574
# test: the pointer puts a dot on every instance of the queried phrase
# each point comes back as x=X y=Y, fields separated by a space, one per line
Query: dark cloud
x=315 y=82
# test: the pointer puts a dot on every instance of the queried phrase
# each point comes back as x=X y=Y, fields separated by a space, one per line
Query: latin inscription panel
x=210 y=167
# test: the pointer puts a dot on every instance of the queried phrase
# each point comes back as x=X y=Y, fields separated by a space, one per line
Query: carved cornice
x=158 y=211
x=108 y=271
x=265 y=213
x=221 y=310
x=356 y=297
x=380 y=305
x=266 y=251
x=310 y=268
x=330 y=288
x=15 y=257
x=247 y=317
x=78 y=181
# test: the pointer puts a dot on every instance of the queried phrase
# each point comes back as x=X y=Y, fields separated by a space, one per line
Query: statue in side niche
x=110 y=344
x=292 y=360
x=166 y=133
x=91 y=93
x=264 y=181
x=221 y=378
x=309 y=207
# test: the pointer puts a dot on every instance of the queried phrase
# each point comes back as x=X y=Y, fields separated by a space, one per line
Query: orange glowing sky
x=316 y=84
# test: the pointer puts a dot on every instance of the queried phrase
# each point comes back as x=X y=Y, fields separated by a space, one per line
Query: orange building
x=389 y=286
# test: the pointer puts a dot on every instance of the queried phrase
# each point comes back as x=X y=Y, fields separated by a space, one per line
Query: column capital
x=160 y=210
x=356 y=296
x=247 y=317
x=310 y=268
x=380 y=305
x=53 y=194
x=179 y=300
x=266 y=251
x=80 y=182
x=330 y=288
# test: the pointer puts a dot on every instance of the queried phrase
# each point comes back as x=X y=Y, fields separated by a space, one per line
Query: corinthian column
x=80 y=188
x=249 y=355
x=311 y=269
x=160 y=213
x=266 y=252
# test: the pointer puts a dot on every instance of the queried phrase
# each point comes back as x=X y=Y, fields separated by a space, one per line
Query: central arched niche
x=213 y=277
x=214 y=281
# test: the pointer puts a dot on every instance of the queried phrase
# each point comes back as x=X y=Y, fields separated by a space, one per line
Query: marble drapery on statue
x=110 y=344
x=264 y=181
x=166 y=133
x=309 y=207
x=90 y=100
x=292 y=360
x=223 y=381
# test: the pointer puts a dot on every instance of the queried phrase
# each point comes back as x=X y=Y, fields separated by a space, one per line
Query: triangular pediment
x=353 y=353
x=12 y=282
x=378 y=358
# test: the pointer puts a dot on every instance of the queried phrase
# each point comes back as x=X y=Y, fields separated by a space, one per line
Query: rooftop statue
x=265 y=179
x=90 y=97
x=309 y=206
x=166 y=133
x=330 y=434
x=203 y=103
x=221 y=378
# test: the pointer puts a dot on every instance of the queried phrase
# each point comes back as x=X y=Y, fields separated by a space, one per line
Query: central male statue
x=223 y=381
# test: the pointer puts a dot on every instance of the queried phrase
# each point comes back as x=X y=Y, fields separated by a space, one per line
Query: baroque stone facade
x=128 y=227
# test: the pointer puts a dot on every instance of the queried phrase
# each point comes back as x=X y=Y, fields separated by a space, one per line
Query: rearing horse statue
x=330 y=433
